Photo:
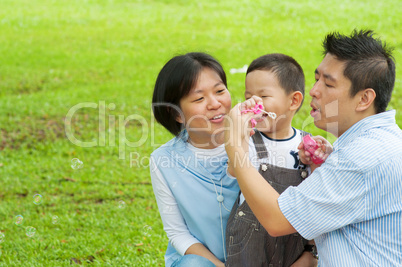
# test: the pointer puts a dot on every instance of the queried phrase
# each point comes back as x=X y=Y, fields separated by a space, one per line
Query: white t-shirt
x=281 y=153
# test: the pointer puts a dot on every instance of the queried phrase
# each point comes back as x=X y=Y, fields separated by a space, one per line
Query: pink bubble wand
x=257 y=110
x=311 y=146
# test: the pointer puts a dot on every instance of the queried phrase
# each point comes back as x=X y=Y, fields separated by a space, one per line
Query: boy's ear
x=296 y=99
x=366 y=99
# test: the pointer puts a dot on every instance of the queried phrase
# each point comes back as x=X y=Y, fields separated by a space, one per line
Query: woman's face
x=204 y=108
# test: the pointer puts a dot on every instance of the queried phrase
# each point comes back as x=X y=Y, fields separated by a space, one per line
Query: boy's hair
x=368 y=63
x=175 y=80
x=288 y=72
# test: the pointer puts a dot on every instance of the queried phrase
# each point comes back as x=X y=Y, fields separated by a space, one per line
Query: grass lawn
x=89 y=66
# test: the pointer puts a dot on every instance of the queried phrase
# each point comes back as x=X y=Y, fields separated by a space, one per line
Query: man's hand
x=323 y=151
x=237 y=127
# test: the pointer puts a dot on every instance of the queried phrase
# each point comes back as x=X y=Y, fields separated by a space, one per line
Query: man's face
x=333 y=108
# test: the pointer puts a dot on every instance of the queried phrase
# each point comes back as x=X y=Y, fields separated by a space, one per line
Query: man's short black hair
x=175 y=81
x=368 y=63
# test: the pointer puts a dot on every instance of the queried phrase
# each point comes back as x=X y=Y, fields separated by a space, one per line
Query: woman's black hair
x=175 y=80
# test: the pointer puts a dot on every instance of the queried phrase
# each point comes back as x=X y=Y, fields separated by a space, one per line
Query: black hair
x=175 y=81
x=288 y=72
x=368 y=63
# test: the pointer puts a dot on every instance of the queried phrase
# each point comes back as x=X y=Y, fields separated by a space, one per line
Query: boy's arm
x=307 y=259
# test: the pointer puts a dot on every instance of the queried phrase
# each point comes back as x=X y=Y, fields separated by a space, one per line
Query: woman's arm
x=173 y=223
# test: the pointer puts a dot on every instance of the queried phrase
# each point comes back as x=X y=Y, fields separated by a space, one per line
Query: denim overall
x=248 y=244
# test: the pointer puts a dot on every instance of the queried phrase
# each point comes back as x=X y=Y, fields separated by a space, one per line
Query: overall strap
x=259 y=145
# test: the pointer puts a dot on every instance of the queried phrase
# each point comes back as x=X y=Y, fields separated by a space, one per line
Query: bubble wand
x=257 y=110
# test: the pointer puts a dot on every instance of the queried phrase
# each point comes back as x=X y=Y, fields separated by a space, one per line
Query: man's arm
x=261 y=197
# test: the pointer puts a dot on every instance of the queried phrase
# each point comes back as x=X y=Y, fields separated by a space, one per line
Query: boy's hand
x=305 y=260
x=323 y=151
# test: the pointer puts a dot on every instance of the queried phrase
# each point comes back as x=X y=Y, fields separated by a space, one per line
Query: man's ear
x=296 y=99
x=366 y=99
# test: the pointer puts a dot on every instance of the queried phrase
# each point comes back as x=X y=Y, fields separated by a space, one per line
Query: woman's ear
x=179 y=119
x=366 y=99
x=179 y=116
x=296 y=99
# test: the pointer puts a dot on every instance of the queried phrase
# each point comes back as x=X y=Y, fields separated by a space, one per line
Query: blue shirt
x=195 y=183
x=352 y=205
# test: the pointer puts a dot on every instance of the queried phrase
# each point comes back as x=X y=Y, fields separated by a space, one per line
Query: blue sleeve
x=332 y=197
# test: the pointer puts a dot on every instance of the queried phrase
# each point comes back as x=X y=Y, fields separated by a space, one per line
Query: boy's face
x=265 y=84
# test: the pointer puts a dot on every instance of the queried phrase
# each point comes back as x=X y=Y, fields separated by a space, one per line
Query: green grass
x=57 y=54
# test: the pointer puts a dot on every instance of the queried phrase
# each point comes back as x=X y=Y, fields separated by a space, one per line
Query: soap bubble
x=240 y=70
x=55 y=219
x=146 y=230
x=76 y=164
x=37 y=199
x=122 y=204
x=30 y=231
x=18 y=220
x=2 y=237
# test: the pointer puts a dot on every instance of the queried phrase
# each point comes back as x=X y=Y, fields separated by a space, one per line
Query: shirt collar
x=382 y=119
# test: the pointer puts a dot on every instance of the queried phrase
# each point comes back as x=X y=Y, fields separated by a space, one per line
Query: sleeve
x=173 y=222
x=332 y=197
x=229 y=175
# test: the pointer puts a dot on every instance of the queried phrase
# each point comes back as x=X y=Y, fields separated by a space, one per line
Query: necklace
x=220 y=199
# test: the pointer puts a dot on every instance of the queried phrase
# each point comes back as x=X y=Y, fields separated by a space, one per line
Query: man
x=352 y=204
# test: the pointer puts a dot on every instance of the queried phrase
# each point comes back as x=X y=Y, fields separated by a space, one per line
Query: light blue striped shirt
x=352 y=205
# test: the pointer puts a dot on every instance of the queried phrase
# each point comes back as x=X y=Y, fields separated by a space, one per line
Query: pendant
x=220 y=198
x=264 y=167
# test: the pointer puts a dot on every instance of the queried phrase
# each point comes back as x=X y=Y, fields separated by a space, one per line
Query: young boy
x=279 y=80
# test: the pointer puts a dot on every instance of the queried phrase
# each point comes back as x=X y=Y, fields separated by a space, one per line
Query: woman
x=189 y=173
